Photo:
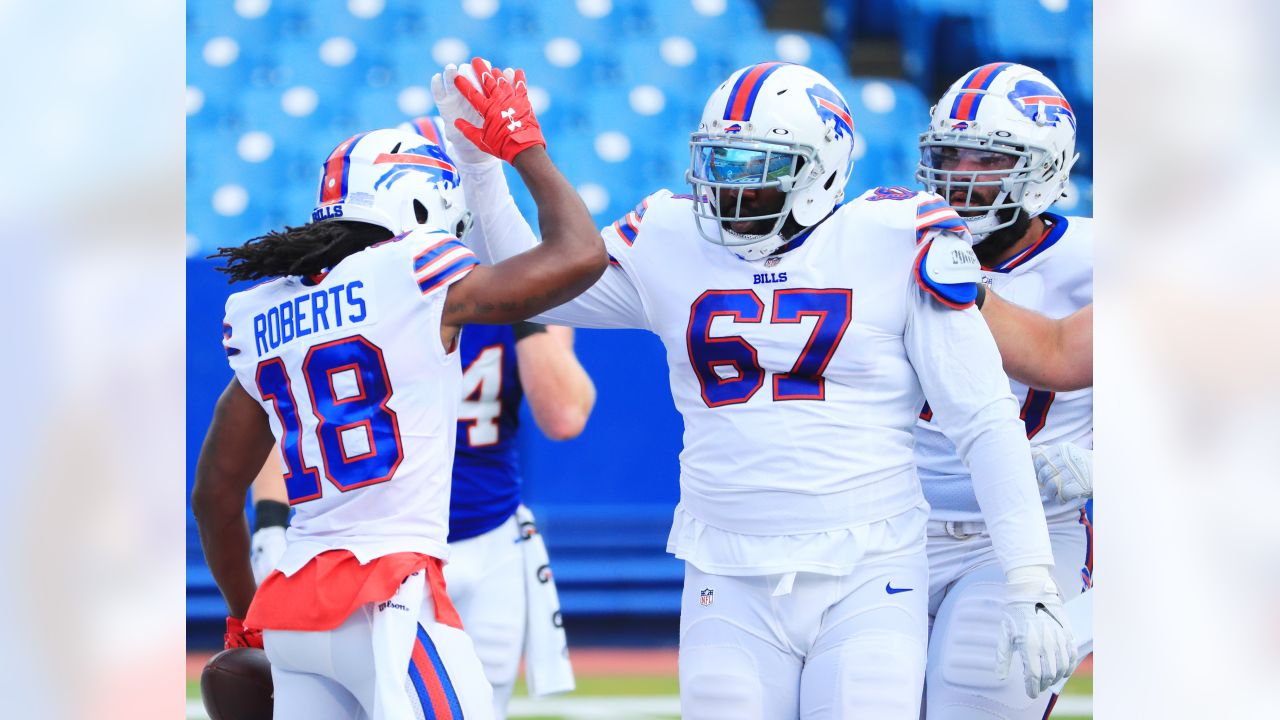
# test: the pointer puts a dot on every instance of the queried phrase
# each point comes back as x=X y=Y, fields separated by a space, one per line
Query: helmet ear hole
x=459 y=229
x=830 y=181
x=420 y=212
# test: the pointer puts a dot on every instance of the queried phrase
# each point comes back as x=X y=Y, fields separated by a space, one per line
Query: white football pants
x=387 y=661
x=850 y=647
x=966 y=597
x=485 y=577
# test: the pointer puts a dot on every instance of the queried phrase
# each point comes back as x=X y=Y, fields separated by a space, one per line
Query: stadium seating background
x=618 y=84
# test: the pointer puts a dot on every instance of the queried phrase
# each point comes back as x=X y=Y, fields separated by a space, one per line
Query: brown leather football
x=236 y=685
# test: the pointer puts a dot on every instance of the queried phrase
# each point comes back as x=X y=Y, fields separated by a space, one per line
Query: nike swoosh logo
x=1041 y=608
x=889 y=588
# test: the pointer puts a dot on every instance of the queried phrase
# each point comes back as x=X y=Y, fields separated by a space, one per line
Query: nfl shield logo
x=707 y=596
x=770 y=262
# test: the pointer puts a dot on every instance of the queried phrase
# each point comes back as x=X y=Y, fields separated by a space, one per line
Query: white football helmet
x=770 y=125
x=1003 y=126
x=395 y=179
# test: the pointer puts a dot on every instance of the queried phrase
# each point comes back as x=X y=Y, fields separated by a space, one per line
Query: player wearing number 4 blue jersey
x=347 y=356
x=999 y=148
x=802 y=335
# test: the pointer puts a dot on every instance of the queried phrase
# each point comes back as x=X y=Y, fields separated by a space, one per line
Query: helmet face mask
x=394 y=179
x=1001 y=142
x=775 y=144
x=723 y=168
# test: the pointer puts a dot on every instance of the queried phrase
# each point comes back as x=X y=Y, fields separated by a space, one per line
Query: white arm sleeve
x=961 y=373
x=500 y=232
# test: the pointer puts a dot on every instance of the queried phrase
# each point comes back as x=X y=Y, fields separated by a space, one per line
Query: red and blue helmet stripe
x=333 y=184
x=742 y=99
x=973 y=89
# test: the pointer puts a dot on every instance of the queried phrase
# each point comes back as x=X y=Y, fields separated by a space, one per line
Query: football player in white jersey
x=347 y=356
x=999 y=149
x=801 y=336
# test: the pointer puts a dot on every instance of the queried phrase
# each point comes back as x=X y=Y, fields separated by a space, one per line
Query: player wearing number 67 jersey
x=1000 y=147
x=347 y=356
x=802 y=335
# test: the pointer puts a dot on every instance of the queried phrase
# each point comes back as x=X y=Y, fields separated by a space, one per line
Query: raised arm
x=558 y=388
x=1040 y=351
x=234 y=450
x=571 y=256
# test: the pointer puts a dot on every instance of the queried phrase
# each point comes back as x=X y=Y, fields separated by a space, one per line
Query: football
x=236 y=685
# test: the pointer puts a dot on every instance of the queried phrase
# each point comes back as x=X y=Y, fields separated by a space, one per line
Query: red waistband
x=322 y=594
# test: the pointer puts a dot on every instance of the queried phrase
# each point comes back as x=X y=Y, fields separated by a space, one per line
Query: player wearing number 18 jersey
x=347 y=356
x=799 y=340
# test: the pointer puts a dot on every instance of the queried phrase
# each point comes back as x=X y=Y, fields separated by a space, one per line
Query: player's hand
x=502 y=100
x=1036 y=628
x=454 y=107
x=238 y=636
x=1064 y=471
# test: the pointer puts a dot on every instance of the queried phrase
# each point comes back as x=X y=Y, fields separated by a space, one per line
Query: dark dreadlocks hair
x=304 y=250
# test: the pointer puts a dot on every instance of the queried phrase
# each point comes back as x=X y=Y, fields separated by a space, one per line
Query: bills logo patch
x=427 y=158
x=1028 y=96
x=706 y=597
x=830 y=107
x=960 y=126
x=734 y=128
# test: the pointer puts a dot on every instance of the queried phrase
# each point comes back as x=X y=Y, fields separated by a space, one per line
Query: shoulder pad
x=627 y=228
x=948 y=269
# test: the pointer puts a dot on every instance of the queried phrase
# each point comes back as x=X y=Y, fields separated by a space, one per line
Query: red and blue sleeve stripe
x=333 y=186
x=935 y=213
x=971 y=93
x=957 y=296
x=742 y=99
x=628 y=227
x=429 y=128
x=436 y=694
x=442 y=263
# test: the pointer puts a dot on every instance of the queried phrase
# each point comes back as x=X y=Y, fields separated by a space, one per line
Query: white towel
x=546 y=651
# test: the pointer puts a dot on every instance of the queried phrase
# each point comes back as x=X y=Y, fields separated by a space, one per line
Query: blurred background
x=618 y=85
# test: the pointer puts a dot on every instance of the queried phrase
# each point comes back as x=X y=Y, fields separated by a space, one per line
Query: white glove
x=1064 y=471
x=453 y=106
x=1035 y=625
x=265 y=549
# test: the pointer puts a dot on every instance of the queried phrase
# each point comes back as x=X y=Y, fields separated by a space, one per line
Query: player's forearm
x=224 y=536
x=1004 y=483
x=561 y=394
x=567 y=228
x=1039 y=351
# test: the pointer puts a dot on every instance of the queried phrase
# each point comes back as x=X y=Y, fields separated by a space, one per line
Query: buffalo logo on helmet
x=427 y=158
x=962 y=125
x=1028 y=96
x=830 y=107
x=734 y=128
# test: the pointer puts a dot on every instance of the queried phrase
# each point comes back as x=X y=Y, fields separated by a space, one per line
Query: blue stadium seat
x=673 y=63
x=939 y=39
x=597 y=22
x=708 y=22
x=888 y=115
x=1033 y=33
x=811 y=50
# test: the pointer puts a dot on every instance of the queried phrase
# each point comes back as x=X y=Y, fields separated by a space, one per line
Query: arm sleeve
x=500 y=232
x=960 y=371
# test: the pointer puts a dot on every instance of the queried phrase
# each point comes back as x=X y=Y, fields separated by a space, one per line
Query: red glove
x=509 y=125
x=238 y=636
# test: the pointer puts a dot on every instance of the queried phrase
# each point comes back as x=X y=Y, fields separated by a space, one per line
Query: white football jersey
x=1053 y=277
x=360 y=394
x=799 y=377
